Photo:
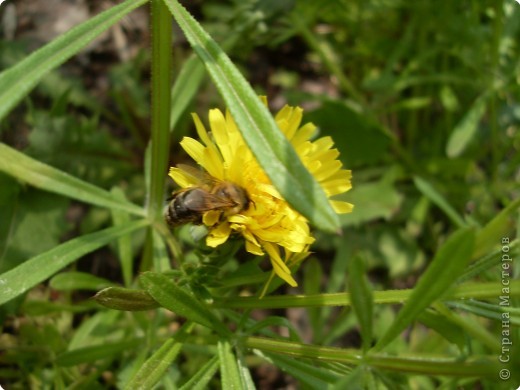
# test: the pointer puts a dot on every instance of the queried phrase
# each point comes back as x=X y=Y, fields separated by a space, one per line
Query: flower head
x=269 y=224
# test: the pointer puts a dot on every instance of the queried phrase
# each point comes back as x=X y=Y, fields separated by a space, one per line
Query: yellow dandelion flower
x=268 y=223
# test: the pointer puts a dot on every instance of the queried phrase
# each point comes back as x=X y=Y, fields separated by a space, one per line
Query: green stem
x=160 y=121
x=464 y=291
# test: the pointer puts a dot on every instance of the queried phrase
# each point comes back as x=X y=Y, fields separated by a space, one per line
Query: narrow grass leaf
x=362 y=300
x=178 y=300
x=443 y=326
x=28 y=274
x=200 y=380
x=154 y=368
x=481 y=366
x=436 y=197
x=69 y=281
x=312 y=376
x=161 y=40
x=126 y=299
x=495 y=233
x=97 y=352
x=124 y=243
x=17 y=81
x=270 y=147
x=185 y=87
x=228 y=366
x=466 y=129
x=447 y=265
x=43 y=176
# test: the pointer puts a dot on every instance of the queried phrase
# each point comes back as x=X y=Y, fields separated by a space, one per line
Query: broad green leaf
x=229 y=371
x=362 y=300
x=466 y=129
x=17 y=81
x=97 y=352
x=431 y=193
x=178 y=300
x=67 y=281
x=447 y=265
x=126 y=299
x=270 y=147
x=41 y=267
x=154 y=368
x=200 y=380
x=370 y=205
x=43 y=176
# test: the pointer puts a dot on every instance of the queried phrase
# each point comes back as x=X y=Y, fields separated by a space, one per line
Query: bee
x=190 y=204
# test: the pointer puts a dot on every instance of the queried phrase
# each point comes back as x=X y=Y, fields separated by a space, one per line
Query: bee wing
x=198 y=175
x=207 y=202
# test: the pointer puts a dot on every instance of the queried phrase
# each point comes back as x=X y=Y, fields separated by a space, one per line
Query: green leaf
x=126 y=299
x=312 y=376
x=41 y=267
x=362 y=300
x=270 y=147
x=200 y=380
x=447 y=265
x=436 y=197
x=161 y=41
x=151 y=372
x=97 y=352
x=186 y=86
x=17 y=81
x=466 y=129
x=228 y=366
x=67 y=281
x=124 y=243
x=370 y=204
x=179 y=301
x=43 y=176
x=496 y=231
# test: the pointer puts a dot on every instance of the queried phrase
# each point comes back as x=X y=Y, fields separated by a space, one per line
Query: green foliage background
x=421 y=99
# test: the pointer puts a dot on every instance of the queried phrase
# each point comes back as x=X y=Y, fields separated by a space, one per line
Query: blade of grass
x=362 y=300
x=186 y=86
x=270 y=147
x=160 y=110
x=154 y=368
x=228 y=366
x=496 y=230
x=200 y=380
x=96 y=352
x=28 y=274
x=436 y=197
x=466 y=129
x=447 y=265
x=480 y=366
x=47 y=178
x=17 y=81
x=478 y=290
x=178 y=300
x=124 y=243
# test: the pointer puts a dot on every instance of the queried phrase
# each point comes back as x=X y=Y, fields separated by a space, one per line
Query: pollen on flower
x=268 y=225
